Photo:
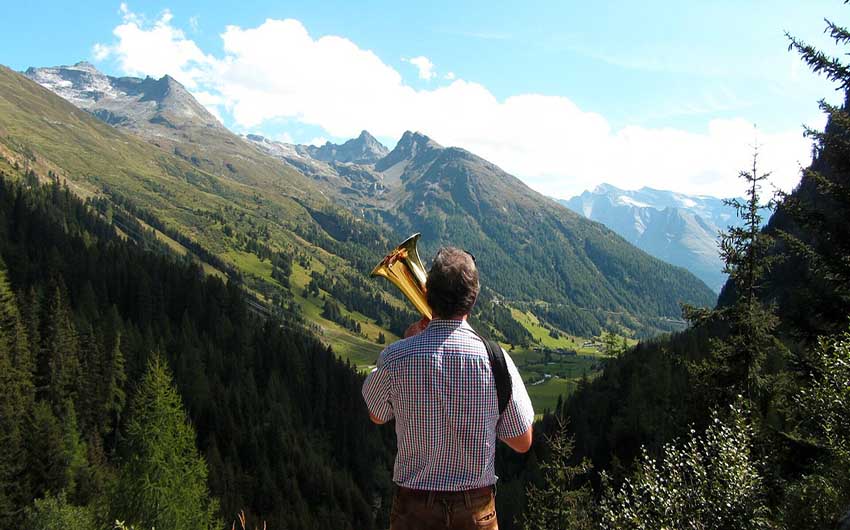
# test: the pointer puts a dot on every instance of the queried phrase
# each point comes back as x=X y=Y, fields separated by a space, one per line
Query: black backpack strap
x=499 y=366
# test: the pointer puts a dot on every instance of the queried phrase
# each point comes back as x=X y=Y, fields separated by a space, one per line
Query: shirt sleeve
x=376 y=392
x=519 y=414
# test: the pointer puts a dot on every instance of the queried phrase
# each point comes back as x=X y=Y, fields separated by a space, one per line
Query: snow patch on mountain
x=680 y=229
x=624 y=199
x=149 y=107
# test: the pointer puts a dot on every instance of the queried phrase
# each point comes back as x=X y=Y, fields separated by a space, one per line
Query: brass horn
x=404 y=269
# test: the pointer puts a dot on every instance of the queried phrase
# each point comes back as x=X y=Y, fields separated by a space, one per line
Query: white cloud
x=285 y=137
x=424 y=65
x=194 y=23
x=319 y=141
x=449 y=76
x=279 y=71
x=154 y=49
x=100 y=52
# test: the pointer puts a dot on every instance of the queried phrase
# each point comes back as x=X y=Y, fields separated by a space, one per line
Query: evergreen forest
x=138 y=389
x=740 y=421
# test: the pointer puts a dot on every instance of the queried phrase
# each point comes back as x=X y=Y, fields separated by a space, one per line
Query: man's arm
x=515 y=424
x=521 y=443
x=376 y=420
x=376 y=393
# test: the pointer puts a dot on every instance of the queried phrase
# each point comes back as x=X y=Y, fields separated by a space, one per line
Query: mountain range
x=677 y=228
x=454 y=196
x=147 y=147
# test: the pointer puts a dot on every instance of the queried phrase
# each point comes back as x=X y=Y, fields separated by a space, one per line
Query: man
x=438 y=385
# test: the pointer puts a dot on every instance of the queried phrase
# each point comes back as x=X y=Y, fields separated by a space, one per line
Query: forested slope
x=770 y=362
x=84 y=312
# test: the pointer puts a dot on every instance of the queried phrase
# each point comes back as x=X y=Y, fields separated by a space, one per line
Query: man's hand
x=417 y=327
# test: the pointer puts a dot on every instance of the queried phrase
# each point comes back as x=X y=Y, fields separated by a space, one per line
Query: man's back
x=439 y=387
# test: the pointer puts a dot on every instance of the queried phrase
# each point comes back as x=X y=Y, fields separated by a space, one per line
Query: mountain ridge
x=126 y=101
x=364 y=149
x=451 y=195
x=677 y=228
x=531 y=250
x=454 y=196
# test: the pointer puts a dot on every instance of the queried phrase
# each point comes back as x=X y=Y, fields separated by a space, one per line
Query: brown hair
x=452 y=285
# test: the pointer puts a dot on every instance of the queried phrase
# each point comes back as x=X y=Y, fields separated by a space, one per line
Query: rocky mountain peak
x=364 y=149
x=411 y=145
x=79 y=83
x=85 y=65
x=367 y=138
x=149 y=106
x=605 y=189
x=416 y=141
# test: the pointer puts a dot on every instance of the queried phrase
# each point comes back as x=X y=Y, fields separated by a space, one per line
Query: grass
x=547 y=370
x=542 y=338
x=544 y=396
x=250 y=263
x=361 y=352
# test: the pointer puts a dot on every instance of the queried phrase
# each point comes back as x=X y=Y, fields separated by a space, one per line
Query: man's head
x=452 y=285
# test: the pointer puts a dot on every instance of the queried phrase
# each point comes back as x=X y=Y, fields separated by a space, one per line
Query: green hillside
x=239 y=223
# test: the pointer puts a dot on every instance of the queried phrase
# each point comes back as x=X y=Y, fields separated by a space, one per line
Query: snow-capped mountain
x=680 y=229
x=149 y=107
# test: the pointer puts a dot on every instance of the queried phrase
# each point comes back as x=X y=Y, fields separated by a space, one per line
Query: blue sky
x=563 y=94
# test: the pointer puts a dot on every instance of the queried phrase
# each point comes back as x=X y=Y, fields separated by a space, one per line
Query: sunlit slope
x=237 y=219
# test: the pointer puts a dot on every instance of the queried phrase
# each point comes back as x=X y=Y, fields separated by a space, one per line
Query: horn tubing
x=404 y=269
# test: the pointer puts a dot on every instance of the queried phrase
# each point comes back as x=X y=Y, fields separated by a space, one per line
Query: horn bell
x=403 y=268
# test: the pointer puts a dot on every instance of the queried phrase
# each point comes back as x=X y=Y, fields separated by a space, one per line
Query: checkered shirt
x=440 y=389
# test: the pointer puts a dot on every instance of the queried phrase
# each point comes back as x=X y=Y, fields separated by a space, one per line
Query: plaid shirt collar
x=448 y=325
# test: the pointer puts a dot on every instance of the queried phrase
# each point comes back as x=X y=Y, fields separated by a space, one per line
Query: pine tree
x=30 y=310
x=817 y=237
x=92 y=377
x=114 y=379
x=16 y=398
x=561 y=503
x=820 y=235
x=13 y=332
x=75 y=456
x=735 y=363
x=163 y=479
x=47 y=461
x=59 y=364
